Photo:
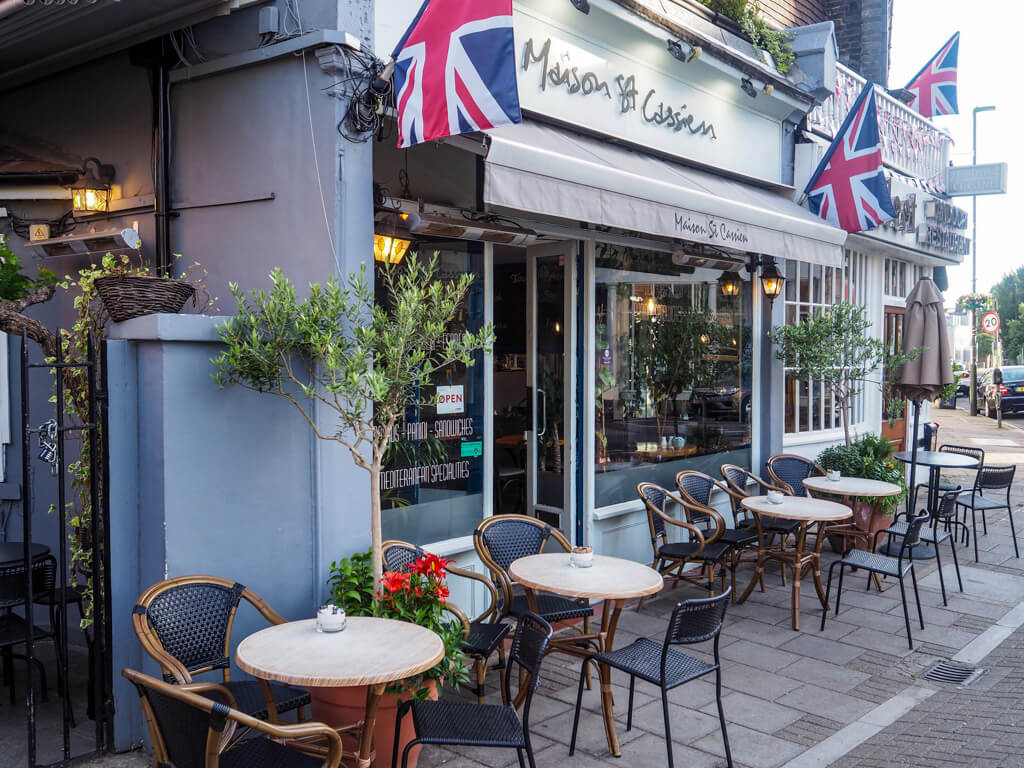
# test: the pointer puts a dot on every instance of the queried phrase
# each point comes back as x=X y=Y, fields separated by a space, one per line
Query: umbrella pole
x=913 y=461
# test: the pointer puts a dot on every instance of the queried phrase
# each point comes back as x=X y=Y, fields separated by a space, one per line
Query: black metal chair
x=13 y=626
x=503 y=539
x=992 y=478
x=788 y=471
x=884 y=565
x=693 y=621
x=193 y=725
x=962 y=450
x=484 y=634
x=185 y=625
x=696 y=488
x=945 y=514
x=485 y=725
x=671 y=558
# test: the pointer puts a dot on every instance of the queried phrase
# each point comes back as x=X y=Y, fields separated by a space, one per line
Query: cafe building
x=626 y=241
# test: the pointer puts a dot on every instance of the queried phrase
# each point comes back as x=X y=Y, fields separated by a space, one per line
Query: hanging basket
x=137 y=295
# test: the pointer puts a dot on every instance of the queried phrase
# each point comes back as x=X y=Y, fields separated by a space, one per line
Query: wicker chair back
x=12 y=582
x=736 y=478
x=965 y=450
x=400 y=557
x=696 y=485
x=185 y=731
x=654 y=496
x=697 y=620
x=193 y=621
x=791 y=470
x=508 y=539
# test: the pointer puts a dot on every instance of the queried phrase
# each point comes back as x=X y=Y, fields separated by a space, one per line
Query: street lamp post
x=974 y=264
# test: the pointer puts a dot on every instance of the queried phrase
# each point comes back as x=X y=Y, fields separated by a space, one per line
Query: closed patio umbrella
x=924 y=329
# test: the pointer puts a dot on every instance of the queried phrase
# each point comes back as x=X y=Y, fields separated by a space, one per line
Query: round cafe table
x=807 y=511
x=370 y=651
x=611 y=579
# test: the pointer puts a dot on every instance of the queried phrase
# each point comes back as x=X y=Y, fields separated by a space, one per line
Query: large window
x=432 y=484
x=899 y=277
x=809 y=288
x=673 y=336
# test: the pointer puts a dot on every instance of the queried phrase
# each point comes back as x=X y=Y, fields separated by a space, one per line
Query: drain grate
x=955 y=674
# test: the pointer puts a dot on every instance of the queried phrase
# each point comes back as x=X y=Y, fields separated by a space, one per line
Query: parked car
x=723 y=403
x=1010 y=393
x=963 y=383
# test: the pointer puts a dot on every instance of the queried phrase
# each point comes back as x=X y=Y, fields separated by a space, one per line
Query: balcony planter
x=128 y=296
x=339 y=707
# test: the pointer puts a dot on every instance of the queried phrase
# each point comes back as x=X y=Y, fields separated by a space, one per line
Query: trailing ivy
x=747 y=13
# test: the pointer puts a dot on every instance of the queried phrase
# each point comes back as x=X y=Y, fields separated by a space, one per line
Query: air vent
x=953 y=674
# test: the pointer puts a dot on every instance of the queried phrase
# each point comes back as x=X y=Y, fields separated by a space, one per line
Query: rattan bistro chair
x=744 y=483
x=185 y=625
x=695 y=488
x=485 y=725
x=875 y=563
x=503 y=539
x=191 y=726
x=693 y=621
x=788 y=471
x=991 y=478
x=13 y=626
x=671 y=558
x=483 y=635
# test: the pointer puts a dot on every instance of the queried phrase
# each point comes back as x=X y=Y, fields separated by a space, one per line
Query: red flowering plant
x=418 y=595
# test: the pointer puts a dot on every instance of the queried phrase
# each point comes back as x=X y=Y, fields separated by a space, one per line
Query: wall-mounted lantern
x=389 y=249
x=730 y=284
x=91 y=193
x=772 y=280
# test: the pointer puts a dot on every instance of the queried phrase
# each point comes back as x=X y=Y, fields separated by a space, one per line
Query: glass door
x=550 y=438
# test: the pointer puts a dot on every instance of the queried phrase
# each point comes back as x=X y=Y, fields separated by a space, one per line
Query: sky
x=990 y=41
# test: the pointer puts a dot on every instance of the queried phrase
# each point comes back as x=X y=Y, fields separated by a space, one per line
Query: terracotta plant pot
x=344 y=706
x=868 y=517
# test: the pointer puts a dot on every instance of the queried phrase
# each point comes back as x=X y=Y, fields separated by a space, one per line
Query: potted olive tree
x=365 y=361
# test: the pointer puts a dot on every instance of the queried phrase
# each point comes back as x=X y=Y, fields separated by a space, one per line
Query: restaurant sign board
x=970 y=180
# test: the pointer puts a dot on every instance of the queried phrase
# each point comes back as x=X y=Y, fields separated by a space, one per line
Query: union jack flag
x=455 y=70
x=848 y=188
x=934 y=87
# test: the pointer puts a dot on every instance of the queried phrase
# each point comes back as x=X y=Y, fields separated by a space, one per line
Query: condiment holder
x=330 y=618
x=833 y=476
x=775 y=497
x=581 y=557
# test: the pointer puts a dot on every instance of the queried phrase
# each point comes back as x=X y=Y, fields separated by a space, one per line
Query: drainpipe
x=161 y=180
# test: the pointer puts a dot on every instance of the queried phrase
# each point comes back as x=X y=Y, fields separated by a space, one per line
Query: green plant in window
x=363 y=361
x=836 y=348
x=870 y=457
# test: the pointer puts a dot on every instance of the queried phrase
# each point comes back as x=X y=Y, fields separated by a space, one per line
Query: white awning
x=539 y=169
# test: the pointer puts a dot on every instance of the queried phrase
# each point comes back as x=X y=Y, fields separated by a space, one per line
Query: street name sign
x=970 y=180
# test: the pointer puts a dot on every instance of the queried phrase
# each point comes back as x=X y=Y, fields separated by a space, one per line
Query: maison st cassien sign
x=610 y=77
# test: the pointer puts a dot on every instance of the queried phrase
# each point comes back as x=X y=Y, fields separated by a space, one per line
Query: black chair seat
x=249 y=697
x=70 y=596
x=928 y=535
x=484 y=638
x=643 y=659
x=266 y=753
x=552 y=608
x=870 y=561
x=457 y=722
x=979 y=502
x=739 y=537
x=12 y=631
x=681 y=550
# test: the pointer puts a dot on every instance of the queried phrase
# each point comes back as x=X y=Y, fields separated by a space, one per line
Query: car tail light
x=1004 y=391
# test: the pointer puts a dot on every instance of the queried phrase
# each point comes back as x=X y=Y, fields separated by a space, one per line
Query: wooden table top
x=609 y=578
x=369 y=650
x=938 y=459
x=12 y=552
x=799 y=508
x=852 y=486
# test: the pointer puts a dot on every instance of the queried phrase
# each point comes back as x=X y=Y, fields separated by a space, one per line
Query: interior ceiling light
x=748 y=87
x=583 y=6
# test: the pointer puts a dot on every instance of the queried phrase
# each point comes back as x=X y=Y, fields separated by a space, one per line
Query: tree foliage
x=1009 y=296
x=340 y=350
x=836 y=348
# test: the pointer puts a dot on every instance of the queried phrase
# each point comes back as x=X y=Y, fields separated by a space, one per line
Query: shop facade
x=617 y=238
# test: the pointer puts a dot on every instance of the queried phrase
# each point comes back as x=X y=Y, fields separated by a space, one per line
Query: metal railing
x=911 y=145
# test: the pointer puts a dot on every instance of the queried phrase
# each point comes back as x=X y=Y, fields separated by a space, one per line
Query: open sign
x=450 y=400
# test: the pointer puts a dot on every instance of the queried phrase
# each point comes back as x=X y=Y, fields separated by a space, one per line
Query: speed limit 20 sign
x=990 y=323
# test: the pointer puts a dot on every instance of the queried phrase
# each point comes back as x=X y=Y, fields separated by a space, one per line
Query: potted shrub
x=418 y=595
x=870 y=457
